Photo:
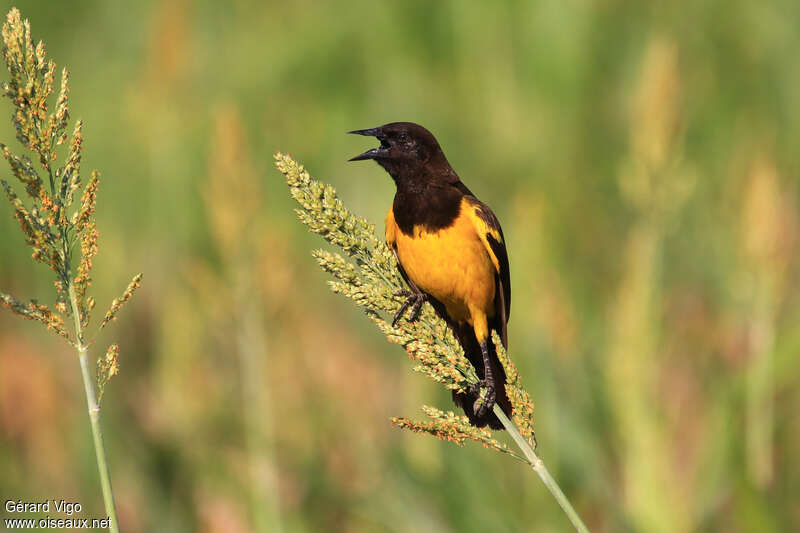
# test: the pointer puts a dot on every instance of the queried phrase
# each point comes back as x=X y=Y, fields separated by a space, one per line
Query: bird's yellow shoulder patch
x=480 y=221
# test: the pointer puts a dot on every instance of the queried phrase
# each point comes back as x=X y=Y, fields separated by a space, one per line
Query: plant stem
x=759 y=403
x=542 y=471
x=258 y=426
x=94 y=414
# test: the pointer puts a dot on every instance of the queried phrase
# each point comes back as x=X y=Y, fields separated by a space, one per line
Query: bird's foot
x=414 y=300
x=484 y=403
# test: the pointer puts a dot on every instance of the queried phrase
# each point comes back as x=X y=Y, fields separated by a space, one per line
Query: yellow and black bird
x=450 y=250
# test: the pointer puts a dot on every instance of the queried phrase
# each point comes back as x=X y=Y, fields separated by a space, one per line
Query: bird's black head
x=407 y=150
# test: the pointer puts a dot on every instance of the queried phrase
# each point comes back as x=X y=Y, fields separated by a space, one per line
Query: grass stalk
x=94 y=415
x=258 y=424
x=544 y=474
x=372 y=282
x=62 y=235
x=759 y=403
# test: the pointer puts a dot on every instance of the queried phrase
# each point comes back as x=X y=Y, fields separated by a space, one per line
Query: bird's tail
x=472 y=349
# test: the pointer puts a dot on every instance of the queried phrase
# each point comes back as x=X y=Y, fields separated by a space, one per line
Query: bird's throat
x=431 y=206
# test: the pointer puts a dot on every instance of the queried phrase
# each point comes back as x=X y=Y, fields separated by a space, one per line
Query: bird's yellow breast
x=451 y=264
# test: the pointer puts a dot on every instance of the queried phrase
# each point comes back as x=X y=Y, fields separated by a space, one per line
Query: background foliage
x=641 y=156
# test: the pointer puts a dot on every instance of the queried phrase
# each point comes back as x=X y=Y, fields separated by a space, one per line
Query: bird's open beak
x=374 y=153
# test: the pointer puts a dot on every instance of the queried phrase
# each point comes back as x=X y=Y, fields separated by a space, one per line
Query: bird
x=451 y=252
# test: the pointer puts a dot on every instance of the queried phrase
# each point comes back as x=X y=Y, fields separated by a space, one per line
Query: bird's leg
x=414 y=299
x=404 y=306
x=485 y=404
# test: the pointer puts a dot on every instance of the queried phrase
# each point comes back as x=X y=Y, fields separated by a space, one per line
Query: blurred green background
x=642 y=157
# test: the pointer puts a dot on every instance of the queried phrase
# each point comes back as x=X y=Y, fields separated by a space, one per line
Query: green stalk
x=539 y=467
x=258 y=425
x=759 y=412
x=94 y=414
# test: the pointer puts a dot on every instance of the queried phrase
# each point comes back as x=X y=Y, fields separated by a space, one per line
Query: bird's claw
x=413 y=300
x=484 y=403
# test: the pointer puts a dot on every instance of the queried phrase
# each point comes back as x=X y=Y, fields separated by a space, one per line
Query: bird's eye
x=403 y=138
